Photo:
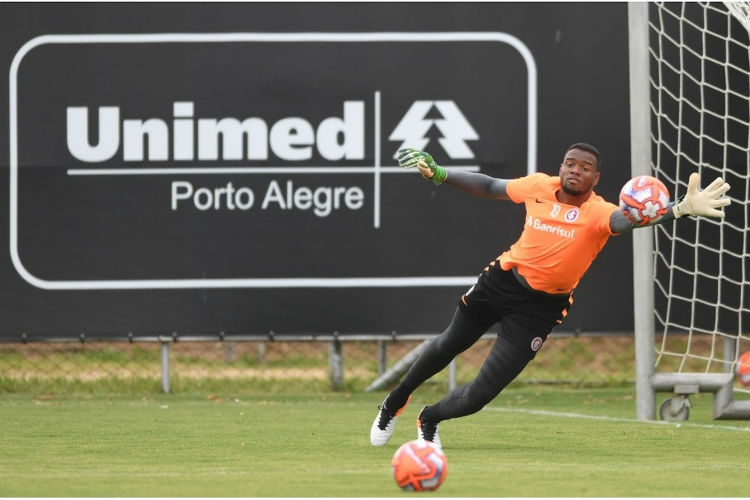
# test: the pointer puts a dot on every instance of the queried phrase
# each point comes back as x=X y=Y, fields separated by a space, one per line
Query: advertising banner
x=239 y=167
x=188 y=177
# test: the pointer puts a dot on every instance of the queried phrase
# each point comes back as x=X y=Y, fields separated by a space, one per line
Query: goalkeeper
x=528 y=288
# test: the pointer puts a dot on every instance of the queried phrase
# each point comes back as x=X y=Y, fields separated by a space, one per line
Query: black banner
x=195 y=168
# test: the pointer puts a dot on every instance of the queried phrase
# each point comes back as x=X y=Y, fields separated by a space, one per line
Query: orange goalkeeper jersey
x=559 y=242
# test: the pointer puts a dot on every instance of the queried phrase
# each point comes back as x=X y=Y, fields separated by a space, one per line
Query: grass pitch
x=531 y=441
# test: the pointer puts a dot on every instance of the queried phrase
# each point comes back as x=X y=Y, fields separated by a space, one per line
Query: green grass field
x=533 y=441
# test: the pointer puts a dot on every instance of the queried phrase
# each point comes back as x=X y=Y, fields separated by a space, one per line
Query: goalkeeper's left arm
x=709 y=202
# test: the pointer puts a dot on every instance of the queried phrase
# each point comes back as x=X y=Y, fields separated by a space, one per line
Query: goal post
x=690 y=112
x=643 y=239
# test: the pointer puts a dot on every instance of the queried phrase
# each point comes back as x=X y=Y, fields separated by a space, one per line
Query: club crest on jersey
x=536 y=344
x=572 y=215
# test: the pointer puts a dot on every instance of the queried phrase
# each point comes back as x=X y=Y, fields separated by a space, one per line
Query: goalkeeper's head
x=579 y=170
x=589 y=149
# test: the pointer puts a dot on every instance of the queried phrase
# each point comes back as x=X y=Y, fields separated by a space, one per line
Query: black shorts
x=526 y=316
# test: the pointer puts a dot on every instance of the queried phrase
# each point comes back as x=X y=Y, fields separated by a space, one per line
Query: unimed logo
x=185 y=137
x=317 y=162
x=453 y=125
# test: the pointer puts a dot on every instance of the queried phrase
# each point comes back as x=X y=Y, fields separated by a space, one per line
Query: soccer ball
x=644 y=199
x=743 y=369
x=419 y=465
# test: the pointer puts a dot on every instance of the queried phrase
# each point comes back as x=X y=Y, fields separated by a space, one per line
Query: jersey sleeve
x=602 y=212
x=518 y=189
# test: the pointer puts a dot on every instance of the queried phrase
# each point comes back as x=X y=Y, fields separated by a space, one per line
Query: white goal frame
x=648 y=380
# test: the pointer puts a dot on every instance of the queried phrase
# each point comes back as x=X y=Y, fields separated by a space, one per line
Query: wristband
x=439 y=175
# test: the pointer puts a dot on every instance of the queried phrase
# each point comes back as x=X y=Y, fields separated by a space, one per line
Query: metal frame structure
x=648 y=382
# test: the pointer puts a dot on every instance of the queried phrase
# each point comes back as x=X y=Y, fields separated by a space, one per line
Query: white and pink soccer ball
x=644 y=199
x=419 y=465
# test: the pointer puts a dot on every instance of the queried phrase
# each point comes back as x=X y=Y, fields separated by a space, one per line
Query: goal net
x=699 y=121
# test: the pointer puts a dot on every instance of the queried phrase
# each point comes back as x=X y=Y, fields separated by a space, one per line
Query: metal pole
x=229 y=352
x=730 y=353
x=398 y=369
x=643 y=239
x=382 y=357
x=335 y=364
x=165 y=366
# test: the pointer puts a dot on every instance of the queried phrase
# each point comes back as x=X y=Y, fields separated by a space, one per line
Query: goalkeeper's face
x=579 y=172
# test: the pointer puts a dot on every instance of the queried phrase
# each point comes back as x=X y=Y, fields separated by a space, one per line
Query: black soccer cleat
x=428 y=430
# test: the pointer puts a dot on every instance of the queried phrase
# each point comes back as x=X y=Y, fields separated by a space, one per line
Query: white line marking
x=546 y=413
x=254 y=170
x=376 y=179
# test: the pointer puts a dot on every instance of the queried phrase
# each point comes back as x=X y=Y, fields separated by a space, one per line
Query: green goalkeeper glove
x=410 y=157
x=706 y=202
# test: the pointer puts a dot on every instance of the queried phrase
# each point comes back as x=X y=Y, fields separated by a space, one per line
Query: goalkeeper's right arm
x=471 y=182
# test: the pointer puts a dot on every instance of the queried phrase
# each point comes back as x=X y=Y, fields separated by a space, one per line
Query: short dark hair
x=588 y=148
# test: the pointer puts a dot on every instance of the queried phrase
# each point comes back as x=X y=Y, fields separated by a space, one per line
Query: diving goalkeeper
x=528 y=288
